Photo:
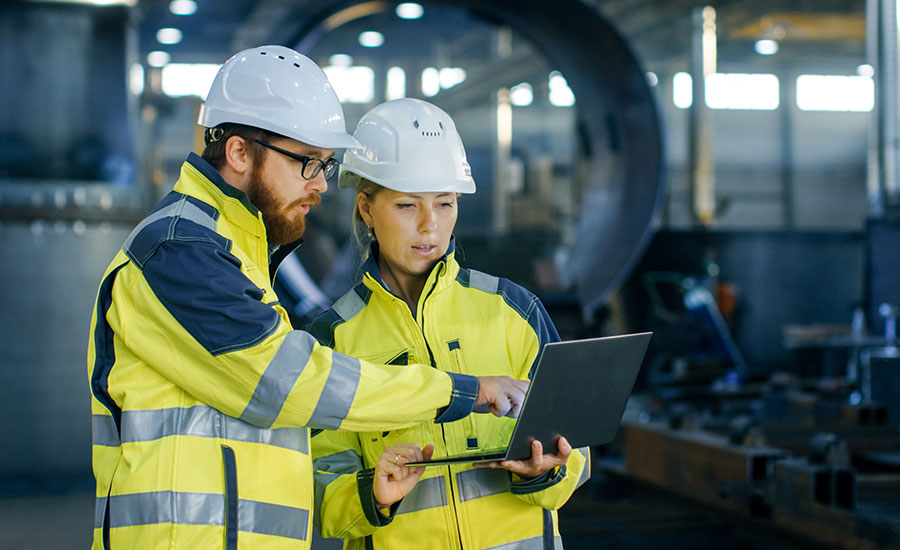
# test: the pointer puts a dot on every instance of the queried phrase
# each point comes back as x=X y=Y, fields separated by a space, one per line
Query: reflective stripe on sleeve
x=196 y=421
x=483 y=281
x=183 y=209
x=349 y=305
x=533 y=543
x=329 y=468
x=480 y=483
x=337 y=395
x=206 y=509
x=279 y=378
x=586 y=471
x=428 y=493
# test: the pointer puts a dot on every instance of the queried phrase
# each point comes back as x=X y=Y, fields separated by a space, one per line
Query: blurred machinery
x=816 y=457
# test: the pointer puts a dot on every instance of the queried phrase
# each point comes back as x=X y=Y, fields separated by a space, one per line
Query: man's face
x=281 y=194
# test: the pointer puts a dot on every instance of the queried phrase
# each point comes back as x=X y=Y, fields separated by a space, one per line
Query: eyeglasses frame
x=321 y=166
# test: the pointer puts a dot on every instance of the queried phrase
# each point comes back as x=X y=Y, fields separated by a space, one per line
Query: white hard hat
x=408 y=145
x=280 y=90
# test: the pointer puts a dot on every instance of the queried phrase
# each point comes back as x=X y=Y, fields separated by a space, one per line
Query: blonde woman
x=415 y=304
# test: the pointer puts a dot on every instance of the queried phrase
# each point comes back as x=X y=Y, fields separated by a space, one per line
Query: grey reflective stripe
x=533 y=543
x=206 y=509
x=279 y=379
x=344 y=462
x=483 y=281
x=103 y=430
x=428 y=493
x=166 y=507
x=329 y=468
x=272 y=519
x=205 y=421
x=193 y=213
x=479 y=483
x=184 y=208
x=337 y=395
x=349 y=305
x=586 y=471
x=99 y=512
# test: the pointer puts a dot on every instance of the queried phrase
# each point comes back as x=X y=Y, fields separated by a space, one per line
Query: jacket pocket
x=231 y=498
x=458 y=365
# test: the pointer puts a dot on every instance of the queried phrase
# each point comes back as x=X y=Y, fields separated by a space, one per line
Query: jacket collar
x=244 y=221
x=214 y=177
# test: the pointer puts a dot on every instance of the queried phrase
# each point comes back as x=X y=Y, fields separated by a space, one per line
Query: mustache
x=313 y=199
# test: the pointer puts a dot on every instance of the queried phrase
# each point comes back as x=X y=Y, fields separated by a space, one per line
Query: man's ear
x=238 y=155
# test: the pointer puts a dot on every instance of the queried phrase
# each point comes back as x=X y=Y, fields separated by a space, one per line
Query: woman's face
x=413 y=229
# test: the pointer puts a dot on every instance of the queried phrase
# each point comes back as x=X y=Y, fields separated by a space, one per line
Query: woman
x=416 y=304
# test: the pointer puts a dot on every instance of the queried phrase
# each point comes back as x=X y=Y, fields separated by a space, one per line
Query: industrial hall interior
x=724 y=175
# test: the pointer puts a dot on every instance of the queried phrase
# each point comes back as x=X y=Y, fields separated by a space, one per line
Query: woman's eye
x=405 y=205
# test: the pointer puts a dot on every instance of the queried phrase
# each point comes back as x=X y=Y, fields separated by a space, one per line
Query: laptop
x=579 y=390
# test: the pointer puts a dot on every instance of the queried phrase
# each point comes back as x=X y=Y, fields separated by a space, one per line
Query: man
x=202 y=394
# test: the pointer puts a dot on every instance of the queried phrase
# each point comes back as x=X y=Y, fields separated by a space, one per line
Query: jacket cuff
x=364 y=480
x=462 y=398
x=544 y=481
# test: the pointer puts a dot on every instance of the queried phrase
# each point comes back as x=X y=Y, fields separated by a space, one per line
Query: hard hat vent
x=297 y=65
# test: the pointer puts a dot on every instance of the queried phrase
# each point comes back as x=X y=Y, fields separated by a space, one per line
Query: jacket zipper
x=453 y=508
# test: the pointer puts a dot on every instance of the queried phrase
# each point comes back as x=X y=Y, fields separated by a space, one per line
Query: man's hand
x=500 y=395
x=537 y=464
x=393 y=479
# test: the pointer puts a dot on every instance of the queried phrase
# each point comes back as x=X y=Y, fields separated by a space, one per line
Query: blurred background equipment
x=724 y=174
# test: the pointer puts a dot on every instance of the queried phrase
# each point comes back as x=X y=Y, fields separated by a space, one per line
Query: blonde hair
x=361 y=233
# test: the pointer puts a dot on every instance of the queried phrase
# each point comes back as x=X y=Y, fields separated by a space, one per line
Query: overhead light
x=431 y=82
x=521 y=95
x=865 y=70
x=409 y=10
x=136 y=78
x=560 y=93
x=682 y=90
x=168 y=35
x=158 y=58
x=396 y=83
x=451 y=76
x=183 y=7
x=371 y=39
x=766 y=47
x=340 y=60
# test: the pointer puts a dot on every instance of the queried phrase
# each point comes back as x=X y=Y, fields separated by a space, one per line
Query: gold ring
x=396 y=458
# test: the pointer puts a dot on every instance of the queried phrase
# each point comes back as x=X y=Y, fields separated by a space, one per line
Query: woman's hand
x=537 y=464
x=393 y=479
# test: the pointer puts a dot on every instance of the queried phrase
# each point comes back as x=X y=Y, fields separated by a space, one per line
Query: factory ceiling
x=659 y=30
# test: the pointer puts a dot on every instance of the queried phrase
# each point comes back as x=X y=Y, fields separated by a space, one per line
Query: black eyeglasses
x=311 y=166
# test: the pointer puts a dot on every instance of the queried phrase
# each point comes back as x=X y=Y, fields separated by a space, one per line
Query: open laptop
x=579 y=390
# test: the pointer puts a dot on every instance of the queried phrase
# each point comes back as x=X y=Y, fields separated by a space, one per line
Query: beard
x=283 y=223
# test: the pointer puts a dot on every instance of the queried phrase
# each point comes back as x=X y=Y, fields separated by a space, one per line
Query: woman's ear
x=362 y=203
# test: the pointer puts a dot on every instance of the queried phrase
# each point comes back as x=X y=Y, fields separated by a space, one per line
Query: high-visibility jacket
x=202 y=394
x=465 y=322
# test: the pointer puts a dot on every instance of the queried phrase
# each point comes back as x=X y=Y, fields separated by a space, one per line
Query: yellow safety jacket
x=465 y=322
x=202 y=394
